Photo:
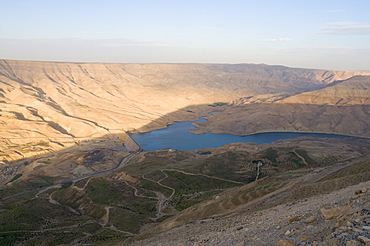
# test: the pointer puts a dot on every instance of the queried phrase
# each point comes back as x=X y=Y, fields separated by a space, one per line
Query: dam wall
x=129 y=142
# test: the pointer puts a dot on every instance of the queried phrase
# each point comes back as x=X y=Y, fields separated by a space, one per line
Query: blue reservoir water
x=176 y=136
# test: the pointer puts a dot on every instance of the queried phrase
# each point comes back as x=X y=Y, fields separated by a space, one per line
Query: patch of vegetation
x=19 y=186
x=37 y=222
x=216 y=104
x=190 y=184
x=105 y=237
x=228 y=165
x=156 y=175
x=157 y=160
x=47 y=162
x=42 y=143
x=101 y=192
x=94 y=210
x=125 y=220
x=81 y=183
x=47 y=179
x=187 y=201
x=15 y=178
x=270 y=154
x=305 y=155
x=13 y=146
x=80 y=105
x=149 y=185
x=68 y=196
x=297 y=162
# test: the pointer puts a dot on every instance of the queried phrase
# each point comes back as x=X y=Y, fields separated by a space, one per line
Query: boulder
x=363 y=239
x=310 y=219
x=295 y=218
x=334 y=213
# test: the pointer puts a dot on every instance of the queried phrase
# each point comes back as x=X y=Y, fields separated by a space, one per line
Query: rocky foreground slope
x=46 y=106
x=339 y=218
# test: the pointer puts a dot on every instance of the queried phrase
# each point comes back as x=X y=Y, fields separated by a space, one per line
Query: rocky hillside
x=63 y=103
x=342 y=107
x=354 y=91
x=338 y=218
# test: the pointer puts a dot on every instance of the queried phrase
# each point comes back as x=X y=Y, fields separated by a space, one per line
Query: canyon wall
x=50 y=105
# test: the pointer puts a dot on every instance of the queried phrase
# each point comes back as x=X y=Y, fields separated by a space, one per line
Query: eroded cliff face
x=62 y=103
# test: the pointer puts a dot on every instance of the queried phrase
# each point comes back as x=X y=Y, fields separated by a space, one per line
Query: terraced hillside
x=158 y=190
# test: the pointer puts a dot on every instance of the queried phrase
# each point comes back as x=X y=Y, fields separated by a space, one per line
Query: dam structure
x=130 y=144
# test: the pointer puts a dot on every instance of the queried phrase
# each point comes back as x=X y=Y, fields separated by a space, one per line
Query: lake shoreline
x=198 y=131
x=181 y=136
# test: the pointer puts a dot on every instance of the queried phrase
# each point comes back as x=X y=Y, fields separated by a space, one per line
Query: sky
x=323 y=34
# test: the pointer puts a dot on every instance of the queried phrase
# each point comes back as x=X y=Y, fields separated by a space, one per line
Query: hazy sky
x=329 y=34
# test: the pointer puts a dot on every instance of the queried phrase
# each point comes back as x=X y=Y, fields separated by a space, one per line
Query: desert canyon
x=63 y=103
x=72 y=175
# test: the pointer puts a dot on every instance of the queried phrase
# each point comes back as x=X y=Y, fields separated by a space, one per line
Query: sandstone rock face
x=62 y=103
